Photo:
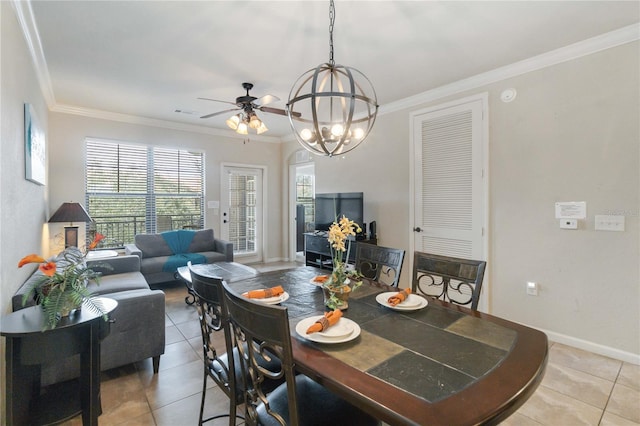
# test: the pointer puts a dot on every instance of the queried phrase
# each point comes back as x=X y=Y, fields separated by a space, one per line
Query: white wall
x=24 y=204
x=572 y=134
x=67 y=134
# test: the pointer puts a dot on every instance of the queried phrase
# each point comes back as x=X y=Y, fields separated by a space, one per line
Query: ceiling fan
x=247 y=104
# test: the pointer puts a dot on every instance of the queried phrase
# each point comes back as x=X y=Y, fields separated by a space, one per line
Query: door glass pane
x=242 y=212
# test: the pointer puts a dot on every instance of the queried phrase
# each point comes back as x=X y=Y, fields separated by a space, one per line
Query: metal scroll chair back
x=448 y=278
x=297 y=401
x=381 y=264
x=212 y=312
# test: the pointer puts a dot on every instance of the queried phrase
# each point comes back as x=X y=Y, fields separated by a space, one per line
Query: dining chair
x=381 y=264
x=299 y=400
x=448 y=278
x=224 y=370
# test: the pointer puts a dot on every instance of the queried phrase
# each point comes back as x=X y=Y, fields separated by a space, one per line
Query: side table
x=28 y=347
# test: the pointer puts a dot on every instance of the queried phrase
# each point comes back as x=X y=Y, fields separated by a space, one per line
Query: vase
x=337 y=297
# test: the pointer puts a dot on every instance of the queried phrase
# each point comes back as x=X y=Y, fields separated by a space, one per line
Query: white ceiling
x=150 y=58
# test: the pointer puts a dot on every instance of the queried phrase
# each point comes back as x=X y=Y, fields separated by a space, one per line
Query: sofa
x=138 y=328
x=162 y=254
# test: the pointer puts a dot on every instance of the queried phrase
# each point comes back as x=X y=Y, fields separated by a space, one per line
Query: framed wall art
x=35 y=147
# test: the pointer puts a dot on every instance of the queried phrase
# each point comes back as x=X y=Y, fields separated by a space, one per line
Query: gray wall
x=24 y=207
x=67 y=134
x=572 y=134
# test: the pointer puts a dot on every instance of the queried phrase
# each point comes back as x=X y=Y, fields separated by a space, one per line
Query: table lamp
x=70 y=212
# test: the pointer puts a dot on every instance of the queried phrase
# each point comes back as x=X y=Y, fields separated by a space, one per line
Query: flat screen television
x=328 y=207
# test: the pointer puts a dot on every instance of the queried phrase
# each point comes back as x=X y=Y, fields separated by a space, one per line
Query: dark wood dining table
x=440 y=365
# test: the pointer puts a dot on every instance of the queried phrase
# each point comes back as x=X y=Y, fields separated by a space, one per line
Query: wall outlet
x=569 y=223
x=532 y=288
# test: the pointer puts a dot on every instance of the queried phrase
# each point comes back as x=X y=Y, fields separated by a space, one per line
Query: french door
x=242 y=211
x=450 y=180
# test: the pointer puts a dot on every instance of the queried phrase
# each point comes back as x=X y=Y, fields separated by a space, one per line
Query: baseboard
x=593 y=347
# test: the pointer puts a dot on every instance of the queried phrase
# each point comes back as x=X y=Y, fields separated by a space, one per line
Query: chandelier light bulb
x=306 y=134
x=337 y=130
x=358 y=133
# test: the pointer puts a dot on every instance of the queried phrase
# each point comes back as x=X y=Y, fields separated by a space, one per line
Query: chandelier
x=331 y=107
x=241 y=122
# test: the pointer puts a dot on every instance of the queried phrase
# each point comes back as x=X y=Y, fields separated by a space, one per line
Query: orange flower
x=96 y=240
x=48 y=268
x=31 y=258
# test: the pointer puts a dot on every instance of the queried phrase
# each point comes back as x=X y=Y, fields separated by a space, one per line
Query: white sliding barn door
x=450 y=190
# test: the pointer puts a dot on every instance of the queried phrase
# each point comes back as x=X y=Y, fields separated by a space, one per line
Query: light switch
x=606 y=222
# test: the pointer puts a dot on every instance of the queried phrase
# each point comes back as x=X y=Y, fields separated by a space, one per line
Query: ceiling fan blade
x=217 y=100
x=266 y=99
x=219 y=112
x=278 y=111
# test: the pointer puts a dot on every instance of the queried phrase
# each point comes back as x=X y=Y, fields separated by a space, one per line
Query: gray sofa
x=138 y=332
x=159 y=260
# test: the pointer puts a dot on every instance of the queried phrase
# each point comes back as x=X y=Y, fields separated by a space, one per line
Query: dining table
x=430 y=363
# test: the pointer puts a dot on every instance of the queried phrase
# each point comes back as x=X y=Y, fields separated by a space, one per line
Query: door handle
x=417 y=229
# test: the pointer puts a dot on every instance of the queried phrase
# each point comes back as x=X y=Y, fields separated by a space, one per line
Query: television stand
x=318 y=253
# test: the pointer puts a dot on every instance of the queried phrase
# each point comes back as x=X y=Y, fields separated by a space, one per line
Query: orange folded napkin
x=265 y=293
x=399 y=297
x=321 y=279
x=329 y=319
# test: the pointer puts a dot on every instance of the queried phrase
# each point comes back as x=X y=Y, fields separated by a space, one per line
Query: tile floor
x=579 y=388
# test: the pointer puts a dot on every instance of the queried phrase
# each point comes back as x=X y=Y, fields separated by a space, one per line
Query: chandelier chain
x=332 y=20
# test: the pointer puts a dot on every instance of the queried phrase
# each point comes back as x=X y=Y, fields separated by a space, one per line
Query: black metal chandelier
x=331 y=107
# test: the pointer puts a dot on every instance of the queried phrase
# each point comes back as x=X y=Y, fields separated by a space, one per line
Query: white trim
x=485 y=301
x=265 y=204
x=24 y=14
x=586 y=47
x=145 y=121
x=596 y=348
x=582 y=48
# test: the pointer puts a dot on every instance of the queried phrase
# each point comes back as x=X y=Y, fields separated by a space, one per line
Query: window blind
x=135 y=189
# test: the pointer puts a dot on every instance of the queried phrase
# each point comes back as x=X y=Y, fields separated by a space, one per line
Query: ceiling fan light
x=233 y=121
x=262 y=128
x=254 y=121
x=242 y=128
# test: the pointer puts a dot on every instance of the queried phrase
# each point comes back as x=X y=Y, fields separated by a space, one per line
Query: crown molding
x=27 y=23
x=582 y=48
x=577 y=50
x=153 y=122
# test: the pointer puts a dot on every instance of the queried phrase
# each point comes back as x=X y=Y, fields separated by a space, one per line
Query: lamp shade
x=70 y=212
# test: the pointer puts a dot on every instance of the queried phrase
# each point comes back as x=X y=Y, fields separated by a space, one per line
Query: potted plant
x=343 y=279
x=62 y=286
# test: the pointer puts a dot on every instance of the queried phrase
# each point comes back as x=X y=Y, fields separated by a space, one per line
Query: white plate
x=345 y=330
x=272 y=300
x=316 y=283
x=413 y=302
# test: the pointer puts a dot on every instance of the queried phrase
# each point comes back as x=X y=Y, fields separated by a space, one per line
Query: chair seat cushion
x=317 y=406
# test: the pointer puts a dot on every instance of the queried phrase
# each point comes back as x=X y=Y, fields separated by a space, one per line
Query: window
x=135 y=189
x=305 y=196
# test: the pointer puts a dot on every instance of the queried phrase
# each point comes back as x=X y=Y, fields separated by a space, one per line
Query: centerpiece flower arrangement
x=62 y=287
x=342 y=280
